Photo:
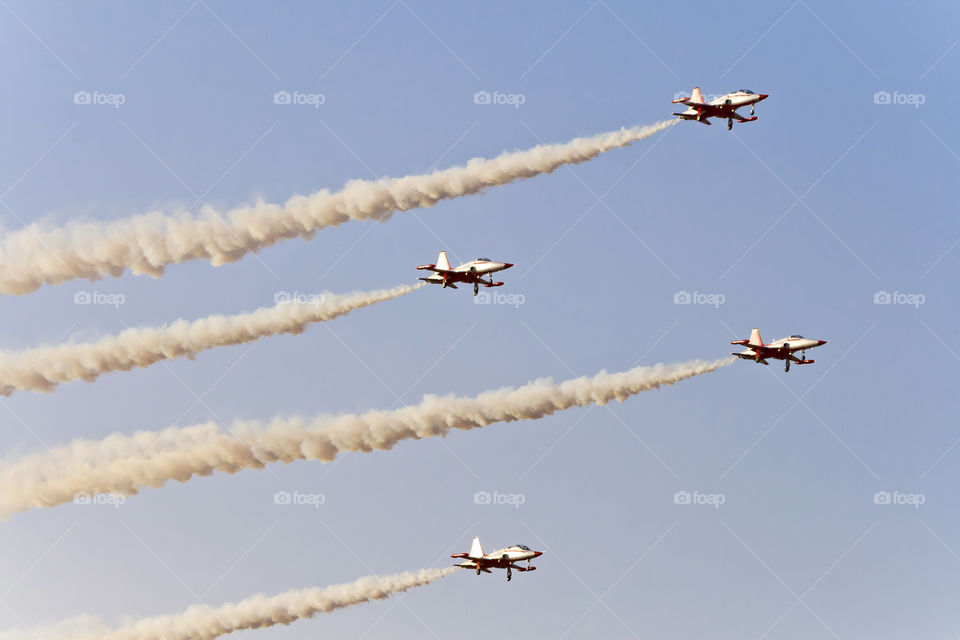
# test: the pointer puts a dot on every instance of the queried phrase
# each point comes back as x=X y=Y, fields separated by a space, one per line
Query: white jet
x=500 y=559
x=469 y=272
x=782 y=349
x=723 y=107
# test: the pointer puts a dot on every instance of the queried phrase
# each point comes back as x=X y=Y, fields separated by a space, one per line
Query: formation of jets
x=468 y=273
x=723 y=107
x=505 y=558
x=782 y=349
x=473 y=272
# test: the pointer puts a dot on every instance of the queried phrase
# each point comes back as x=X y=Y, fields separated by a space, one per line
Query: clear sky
x=797 y=220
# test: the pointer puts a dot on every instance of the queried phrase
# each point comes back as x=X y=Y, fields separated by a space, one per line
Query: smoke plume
x=42 y=369
x=145 y=244
x=121 y=465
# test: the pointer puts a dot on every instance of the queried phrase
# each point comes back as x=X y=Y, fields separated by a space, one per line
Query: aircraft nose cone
x=537 y=554
x=507 y=265
x=820 y=342
x=764 y=96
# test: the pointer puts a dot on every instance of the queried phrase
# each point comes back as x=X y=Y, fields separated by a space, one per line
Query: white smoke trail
x=42 y=369
x=122 y=464
x=147 y=243
x=201 y=622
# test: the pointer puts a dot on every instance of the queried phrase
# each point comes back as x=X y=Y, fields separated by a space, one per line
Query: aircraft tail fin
x=476 y=551
x=696 y=96
x=755 y=337
x=442 y=262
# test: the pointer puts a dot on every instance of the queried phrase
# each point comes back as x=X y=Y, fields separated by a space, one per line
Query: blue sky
x=798 y=220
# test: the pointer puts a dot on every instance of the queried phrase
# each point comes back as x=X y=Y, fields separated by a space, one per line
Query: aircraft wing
x=460 y=273
x=434 y=268
x=739 y=118
x=472 y=564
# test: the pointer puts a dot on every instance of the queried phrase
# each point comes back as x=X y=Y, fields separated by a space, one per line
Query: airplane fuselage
x=723 y=107
x=503 y=557
x=783 y=349
x=468 y=271
x=472 y=272
x=506 y=558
